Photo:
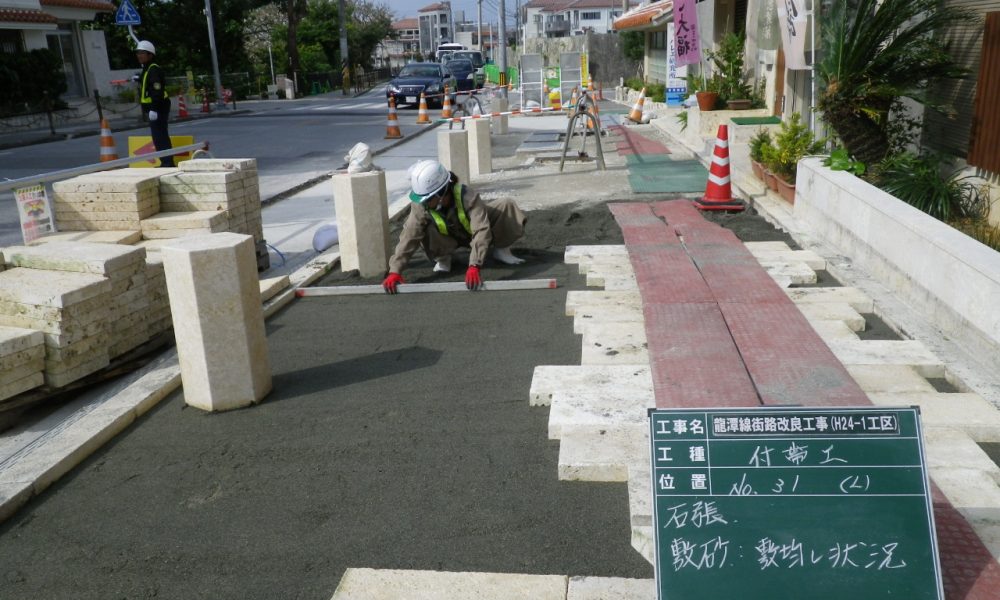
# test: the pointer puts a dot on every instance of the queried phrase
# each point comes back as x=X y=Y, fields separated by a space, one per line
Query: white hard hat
x=427 y=178
x=146 y=46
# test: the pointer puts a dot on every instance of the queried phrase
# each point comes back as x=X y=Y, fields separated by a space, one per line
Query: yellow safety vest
x=144 y=98
x=463 y=219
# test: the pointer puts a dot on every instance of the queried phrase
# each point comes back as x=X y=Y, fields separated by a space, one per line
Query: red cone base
x=719 y=189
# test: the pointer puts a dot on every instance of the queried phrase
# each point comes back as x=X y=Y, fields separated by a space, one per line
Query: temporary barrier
x=636 y=114
x=422 y=116
x=392 y=131
x=719 y=189
x=108 y=149
x=182 y=109
x=446 y=105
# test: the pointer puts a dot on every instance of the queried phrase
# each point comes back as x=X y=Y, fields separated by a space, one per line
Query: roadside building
x=436 y=26
x=406 y=46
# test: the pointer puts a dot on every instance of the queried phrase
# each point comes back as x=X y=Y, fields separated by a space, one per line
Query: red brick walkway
x=721 y=332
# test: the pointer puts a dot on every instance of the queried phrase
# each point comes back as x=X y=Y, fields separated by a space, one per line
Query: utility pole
x=342 y=15
x=502 y=32
x=479 y=26
x=219 y=102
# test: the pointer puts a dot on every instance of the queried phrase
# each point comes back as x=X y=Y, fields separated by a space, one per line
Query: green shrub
x=793 y=142
x=31 y=81
x=682 y=118
x=758 y=142
x=919 y=180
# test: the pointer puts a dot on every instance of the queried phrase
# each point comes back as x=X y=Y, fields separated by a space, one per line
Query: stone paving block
x=584 y=254
x=889 y=378
x=14 y=495
x=833 y=330
x=615 y=284
x=969 y=489
x=773 y=246
x=587 y=298
x=947 y=447
x=599 y=272
x=596 y=410
x=967 y=412
x=22 y=370
x=909 y=353
x=394 y=584
x=640 y=496
x=12 y=387
x=16 y=339
x=115 y=181
x=586 y=317
x=28 y=356
x=833 y=311
x=610 y=588
x=219 y=164
x=615 y=343
x=807 y=257
x=643 y=542
x=207 y=221
x=797 y=273
x=79 y=257
x=547 y=380
x=616 y=264
x=272 y=286
x=50 y=288
x=98 y=237
x=602 y=455
x=858 y=300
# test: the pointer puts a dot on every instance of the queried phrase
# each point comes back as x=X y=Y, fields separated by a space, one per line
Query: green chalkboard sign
x=772 y=503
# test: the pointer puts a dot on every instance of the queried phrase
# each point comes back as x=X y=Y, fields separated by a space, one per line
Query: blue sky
x=409 y=8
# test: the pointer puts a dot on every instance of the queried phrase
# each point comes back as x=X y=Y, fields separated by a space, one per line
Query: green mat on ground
x=756 y=120
x=650 y=174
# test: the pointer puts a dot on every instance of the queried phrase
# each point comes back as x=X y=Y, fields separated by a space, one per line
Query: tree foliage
x=30 y=81
x=367 y=25
x=633 y=44
x=875 y=51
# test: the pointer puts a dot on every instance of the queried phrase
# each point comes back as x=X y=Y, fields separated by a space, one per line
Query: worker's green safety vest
x=145 y=99
x=439 y=220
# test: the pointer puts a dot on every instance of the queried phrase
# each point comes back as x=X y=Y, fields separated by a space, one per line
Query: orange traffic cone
x=392 y=131
x=636 y=114
x=108 y=150
x=572 y=104
x=182 y=108
x=719 y=189
x=446 y=105
x=422 y=118
x=204 y=102
x=545 y=94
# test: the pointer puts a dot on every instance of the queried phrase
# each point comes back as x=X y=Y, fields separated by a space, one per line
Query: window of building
x=658 y=40
x=590 y=15
x=10 y=41
x=444 y=18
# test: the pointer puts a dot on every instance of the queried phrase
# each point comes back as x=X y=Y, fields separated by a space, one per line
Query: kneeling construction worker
x=447 y=215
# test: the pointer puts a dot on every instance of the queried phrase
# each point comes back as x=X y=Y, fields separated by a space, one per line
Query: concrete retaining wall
x=953 y=279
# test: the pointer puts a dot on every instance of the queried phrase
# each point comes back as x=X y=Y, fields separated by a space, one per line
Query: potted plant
x=758 y=143
x=706 y=92
x=793 y=142
x=731 y=79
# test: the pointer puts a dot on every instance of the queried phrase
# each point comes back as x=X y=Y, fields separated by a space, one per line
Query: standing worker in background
x=154 y=100
x=446 y=215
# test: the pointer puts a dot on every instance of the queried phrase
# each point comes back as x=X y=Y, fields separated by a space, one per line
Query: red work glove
x=390 y=283
x=472 y=279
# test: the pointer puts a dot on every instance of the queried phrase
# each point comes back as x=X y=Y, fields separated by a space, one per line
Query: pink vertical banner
x=686 y=43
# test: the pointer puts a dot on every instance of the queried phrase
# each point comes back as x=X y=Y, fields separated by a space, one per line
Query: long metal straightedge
x=417 y=288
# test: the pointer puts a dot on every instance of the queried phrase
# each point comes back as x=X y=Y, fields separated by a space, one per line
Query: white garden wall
x=945 y=274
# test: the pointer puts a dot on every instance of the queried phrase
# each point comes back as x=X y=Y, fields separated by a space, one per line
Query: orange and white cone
x=636 y=114
x=108 y=150
x=422 y=117
x=572 y=104
x=392 y=131
x=182 y=108
x=446 y=105
x=719 y=189
x=205 y=108
x=545 y=95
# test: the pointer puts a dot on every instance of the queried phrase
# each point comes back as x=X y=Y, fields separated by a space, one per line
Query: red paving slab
x=693 y=359
x=695 y=365
x=636 y=143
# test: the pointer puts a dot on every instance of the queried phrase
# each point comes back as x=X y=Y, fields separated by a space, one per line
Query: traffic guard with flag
x=719 y=189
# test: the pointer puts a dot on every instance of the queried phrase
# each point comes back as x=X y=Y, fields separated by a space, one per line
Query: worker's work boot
x=505 y=256
x=443 y=264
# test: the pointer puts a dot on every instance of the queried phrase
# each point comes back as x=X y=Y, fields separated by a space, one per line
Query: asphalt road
x=398 y=435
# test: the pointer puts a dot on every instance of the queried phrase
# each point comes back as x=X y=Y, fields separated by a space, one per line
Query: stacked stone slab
x=243 y=183
x=169 y=225
x=22 y=359
x=159 y=303
x=116 y=200
x=71 y=310
x=123 y=266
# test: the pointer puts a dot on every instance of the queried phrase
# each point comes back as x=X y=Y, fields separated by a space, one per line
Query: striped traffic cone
x=446 y=105
x=719 y=189
x=572 y=104
x=636 y=114
x=392 y=131
x=108 y=150
x=182 y=109
x=422 y=118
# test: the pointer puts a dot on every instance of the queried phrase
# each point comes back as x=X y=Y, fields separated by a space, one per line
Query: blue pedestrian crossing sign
x=127 y=14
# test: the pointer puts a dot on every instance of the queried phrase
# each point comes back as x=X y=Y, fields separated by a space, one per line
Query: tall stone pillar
x=453 y=152
x=362 y=221
x=218 y=321
x=499 y=123
x=480 y=151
